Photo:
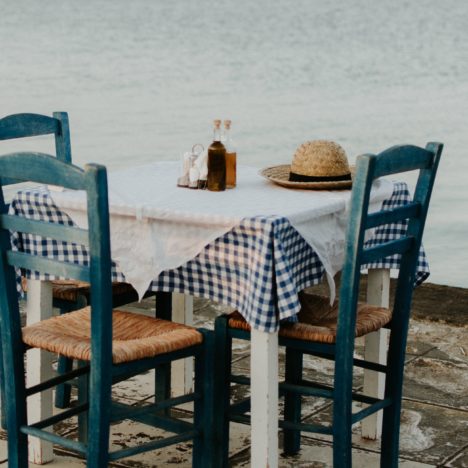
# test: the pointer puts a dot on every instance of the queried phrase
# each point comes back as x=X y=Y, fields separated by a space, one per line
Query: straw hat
x=318 y=164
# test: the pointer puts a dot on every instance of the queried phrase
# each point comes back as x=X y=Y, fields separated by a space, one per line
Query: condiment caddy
x=194 y=168
x=215 y=168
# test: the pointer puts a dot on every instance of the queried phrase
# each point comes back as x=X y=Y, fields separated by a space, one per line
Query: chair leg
x=204 y=453
x=292 y=401
x=393 y=389
x=63 y=391
x=223 y=352
x=83 y=397
x=3 y=421
x=15 y=409
x=17 y=441
x=163 y=384
x=99 y=420
x=342 y=414
x=163 y=371
x=390 y=435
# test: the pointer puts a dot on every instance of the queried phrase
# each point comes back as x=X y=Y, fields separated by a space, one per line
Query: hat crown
x=320 y=158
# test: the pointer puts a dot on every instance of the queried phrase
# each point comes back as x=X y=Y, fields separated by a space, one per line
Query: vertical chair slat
x=62 y=138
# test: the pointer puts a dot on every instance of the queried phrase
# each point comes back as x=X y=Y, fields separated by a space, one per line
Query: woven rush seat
x=69 y=290
x=318 y=320
x=134 y=336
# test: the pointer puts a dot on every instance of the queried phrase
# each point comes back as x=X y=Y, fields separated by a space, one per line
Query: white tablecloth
x=174 y=224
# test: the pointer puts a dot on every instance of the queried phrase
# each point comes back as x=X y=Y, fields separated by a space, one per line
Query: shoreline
x=434 y=302
x=440 y=303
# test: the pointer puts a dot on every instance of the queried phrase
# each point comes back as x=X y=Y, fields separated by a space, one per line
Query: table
x=253 y=248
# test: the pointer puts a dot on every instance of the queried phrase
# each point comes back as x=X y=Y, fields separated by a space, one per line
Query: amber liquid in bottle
x=231 y=170
x=217 y=161
x=231 y=156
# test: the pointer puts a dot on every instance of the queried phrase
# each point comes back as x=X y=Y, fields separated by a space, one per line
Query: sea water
x=143 y=80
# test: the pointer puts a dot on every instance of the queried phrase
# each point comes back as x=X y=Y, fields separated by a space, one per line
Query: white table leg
x=39 y=368
x=264 y=407
x=378 y=293
x=182 y=370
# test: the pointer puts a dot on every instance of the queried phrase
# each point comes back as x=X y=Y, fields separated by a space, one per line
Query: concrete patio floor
x=434 y=427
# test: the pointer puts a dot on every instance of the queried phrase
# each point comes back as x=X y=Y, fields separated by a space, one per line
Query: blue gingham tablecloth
x=258 y=267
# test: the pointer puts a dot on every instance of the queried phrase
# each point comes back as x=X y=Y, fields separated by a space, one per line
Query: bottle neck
x=227 y=141
x=217 y=134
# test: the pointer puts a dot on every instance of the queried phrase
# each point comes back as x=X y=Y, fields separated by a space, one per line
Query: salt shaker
x=183 y=180
x=190 y=170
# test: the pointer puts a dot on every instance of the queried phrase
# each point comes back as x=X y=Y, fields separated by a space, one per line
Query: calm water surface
x=142 y=81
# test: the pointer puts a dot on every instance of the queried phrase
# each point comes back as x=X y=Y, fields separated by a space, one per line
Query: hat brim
x=280 y=176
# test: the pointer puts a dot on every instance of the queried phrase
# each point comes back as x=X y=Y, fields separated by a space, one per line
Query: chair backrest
x=29 y=125
x=46 y=169
x=369 y=167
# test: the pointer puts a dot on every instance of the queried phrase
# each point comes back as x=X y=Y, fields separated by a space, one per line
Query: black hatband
x=293 y=177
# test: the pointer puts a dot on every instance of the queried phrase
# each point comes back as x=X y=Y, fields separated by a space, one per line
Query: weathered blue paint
x=162 y=375
x=27 y=125
x=369 y=167
x=95 y=395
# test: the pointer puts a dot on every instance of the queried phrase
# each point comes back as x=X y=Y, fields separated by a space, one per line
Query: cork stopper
x=227 y=124
x=217 y=123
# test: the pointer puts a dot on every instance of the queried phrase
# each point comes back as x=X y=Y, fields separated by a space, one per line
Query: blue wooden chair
x=86 y=335
x=329 y=331
x=67 y=295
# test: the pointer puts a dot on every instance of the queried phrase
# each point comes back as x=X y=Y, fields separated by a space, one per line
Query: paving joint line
x=439 y=405
x=452 y=457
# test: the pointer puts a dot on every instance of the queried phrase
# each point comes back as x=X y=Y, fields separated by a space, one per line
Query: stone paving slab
x=460 y=461
x=318 y=454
